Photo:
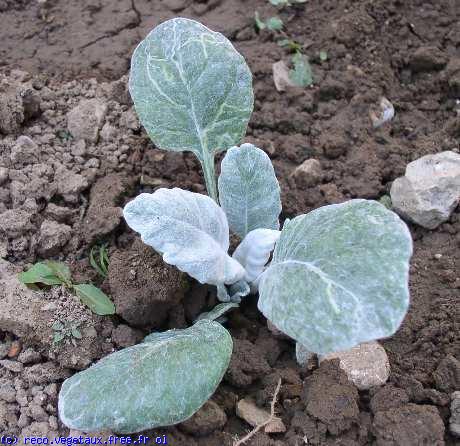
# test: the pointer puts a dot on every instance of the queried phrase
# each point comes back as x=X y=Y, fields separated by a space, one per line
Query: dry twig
x=267 y=421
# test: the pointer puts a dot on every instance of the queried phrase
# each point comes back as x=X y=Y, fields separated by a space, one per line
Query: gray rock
x=29 y=356
x=454 y=421
x=12 y=366
x=86 y=119
x=430 y=189
x=37 y=413
x=3 y=175
x=15 y=222
x=11 y=111
x=308 y=174
x=53 y=236
x=7 y=392
x=366 y=365
x=70 y=184
x=24 y=151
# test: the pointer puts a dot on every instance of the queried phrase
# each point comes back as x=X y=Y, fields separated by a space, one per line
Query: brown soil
x=59 y=195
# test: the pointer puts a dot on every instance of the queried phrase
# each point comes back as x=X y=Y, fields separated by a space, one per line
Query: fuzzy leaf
x=254 y=251
x=217 y=311
x=248 y=190
x=191 y=89
x=233 y=292
x=339 y=276
x=97 y=301
x=160 y=382
x=39 y=273
x=189 y=229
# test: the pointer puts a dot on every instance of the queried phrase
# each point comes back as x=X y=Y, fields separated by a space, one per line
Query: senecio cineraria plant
x=338 y=275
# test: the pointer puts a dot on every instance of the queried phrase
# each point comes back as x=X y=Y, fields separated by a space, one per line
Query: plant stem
x=207 y=163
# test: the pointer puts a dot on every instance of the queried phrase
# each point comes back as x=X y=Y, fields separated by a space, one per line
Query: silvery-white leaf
x=339 y=276
x=189 y=229
x=192 y=90
x=302 y=354
x=157 y=383
x=249 y=192
x=233 y=292
x=255 y=250
x=217 y=311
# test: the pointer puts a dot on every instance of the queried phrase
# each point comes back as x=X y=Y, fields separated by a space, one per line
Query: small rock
x=15 y=349
x=254 y=416
x=208 y=419
x=7 y=392
x=37 y=413
x=11 y=111
x=29 y=356
x=388 y=397
x=454 y=421
x=130 y=120
x=308 y=174
x=385 y=114
x=23 y=420
x=86 y=119
x=366 y=365
x=447 y=374
x=429 y=191
x=281 y=76
x=59 y=213
x=24 y=151
x=53 y=236
x=79 y=149
x=125 y=336
x=409 y=425
x=427 y=59
x=15 y=222
x=176 y=5
x=12 y=366
x=69 y=184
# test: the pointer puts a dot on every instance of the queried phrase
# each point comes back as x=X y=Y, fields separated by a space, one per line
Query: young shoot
x=330 y=279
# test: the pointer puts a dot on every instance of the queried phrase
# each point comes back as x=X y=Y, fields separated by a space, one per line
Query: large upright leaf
x=191 y=89
x=160 y=382
x=249 y=192
x=189 y=229
x=339 y=276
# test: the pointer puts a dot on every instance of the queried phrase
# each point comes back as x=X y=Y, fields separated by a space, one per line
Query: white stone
x=308 y=174
x=366 y=365
x=255 y=416
x=281 y=76
x=430 y=190
x=86 y=119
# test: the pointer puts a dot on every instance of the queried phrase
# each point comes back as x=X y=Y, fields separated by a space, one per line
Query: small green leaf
x=260 y=24
x=60 y=270
x=57 y=326
x=97 y=301
x=217 y=311
x=39 y=273
x=99 y=267
x=159 y=382
x=58 y=337
x=301 y=75
x=274 y=24
x=76 y=333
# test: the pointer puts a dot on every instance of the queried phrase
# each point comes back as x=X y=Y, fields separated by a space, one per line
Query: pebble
x=281 y=76
x=254 y=416
x=308 y=174
x=429 y=191
x=86 y=119
x=366 y=365
x=12 y=366
x=208 y=419
x=454 y=421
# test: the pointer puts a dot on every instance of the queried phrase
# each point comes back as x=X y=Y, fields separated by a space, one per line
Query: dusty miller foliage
x=338 y=275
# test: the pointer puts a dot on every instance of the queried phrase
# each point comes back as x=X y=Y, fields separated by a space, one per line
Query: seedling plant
x=338 y=276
